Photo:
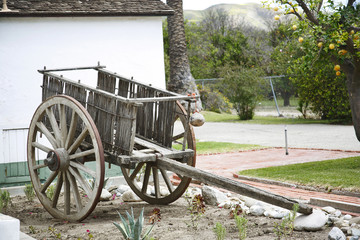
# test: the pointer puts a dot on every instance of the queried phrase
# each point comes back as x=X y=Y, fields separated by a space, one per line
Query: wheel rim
x=150 y=171
x=63 y=134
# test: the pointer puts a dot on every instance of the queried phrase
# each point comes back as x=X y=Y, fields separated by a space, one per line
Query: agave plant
x=131 y=229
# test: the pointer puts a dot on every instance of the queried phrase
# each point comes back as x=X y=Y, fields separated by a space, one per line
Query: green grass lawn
x=225 y=117
x=220 y=147
x=330 y=174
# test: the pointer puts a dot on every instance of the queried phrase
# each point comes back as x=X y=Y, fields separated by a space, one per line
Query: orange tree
x=331 y=27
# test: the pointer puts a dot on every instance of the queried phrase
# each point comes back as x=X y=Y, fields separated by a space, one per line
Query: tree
x=241 y=86
x=181 y=79
x=285 y=50
x=332 y=28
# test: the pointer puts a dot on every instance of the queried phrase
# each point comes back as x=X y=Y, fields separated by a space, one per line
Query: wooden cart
x=142 y=129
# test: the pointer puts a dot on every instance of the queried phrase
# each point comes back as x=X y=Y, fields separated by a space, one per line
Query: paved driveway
x=299 y=136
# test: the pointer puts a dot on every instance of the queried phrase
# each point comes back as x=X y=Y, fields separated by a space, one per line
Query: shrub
x=29 y=192
x=5 y=199
x=242 y=86
x=213 y=100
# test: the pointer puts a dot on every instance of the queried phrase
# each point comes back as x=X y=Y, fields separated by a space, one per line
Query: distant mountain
x=251 y=13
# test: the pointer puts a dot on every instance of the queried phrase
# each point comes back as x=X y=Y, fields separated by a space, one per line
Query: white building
x=124 y=35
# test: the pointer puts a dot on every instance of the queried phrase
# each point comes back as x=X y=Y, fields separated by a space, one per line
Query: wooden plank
x=230 y=185
x=71 y=69
x=125 y=128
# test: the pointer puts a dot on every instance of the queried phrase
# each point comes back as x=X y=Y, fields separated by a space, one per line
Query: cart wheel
x=145 y=170
x=63 y=142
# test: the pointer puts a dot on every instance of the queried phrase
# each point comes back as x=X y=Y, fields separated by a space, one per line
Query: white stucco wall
x=130 y=46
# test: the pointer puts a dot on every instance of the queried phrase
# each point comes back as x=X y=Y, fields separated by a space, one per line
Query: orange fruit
x=320 y=44
x=331 y=46
x=277 y=17
x=338 y=73
x=337 y=68
x=301 y=39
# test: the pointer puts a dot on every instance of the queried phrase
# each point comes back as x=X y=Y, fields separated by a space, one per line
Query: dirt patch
x=35 y=222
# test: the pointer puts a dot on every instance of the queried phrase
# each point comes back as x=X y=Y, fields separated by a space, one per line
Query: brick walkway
x=229 y=163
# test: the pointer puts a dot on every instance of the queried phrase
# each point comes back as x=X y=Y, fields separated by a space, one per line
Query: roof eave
x=86 y=14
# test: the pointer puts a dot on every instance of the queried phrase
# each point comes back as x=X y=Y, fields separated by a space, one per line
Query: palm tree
x=181 y=79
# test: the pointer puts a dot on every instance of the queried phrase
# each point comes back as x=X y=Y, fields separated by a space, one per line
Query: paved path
x=299 y=136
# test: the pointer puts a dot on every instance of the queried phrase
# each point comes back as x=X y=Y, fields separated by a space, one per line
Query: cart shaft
x=231 y=185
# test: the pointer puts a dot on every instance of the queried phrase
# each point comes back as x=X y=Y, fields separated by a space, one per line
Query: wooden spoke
x=39 y=166
x=75 y=191
x=47 y=134
x=167 y=180
x=83 y=183
x=179 y=176
x=66 y=194
x=48 y=182
x=72 y=130
x=63 y=125
x=59 y=184
x=54 y=125
x=146 y=178
x=136 y=171
x=156 y=182
x=82 y=167
x=82 y=154
x=177 y=137
x=78 y=141
x=41 y=147
x=65 y=115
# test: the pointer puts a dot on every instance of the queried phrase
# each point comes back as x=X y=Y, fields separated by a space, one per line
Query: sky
x=203 y=4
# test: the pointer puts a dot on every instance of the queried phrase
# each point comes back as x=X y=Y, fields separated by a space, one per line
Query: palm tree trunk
x=181 y=79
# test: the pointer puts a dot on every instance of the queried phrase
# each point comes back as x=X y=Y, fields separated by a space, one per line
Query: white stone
x=355 y=232
x=123 y=188
x=212 y=196
x=257 y=210
x=278 y=214
x=329 y=209
x=312 y=222
x=337 y=213
x=9 y=228
x=105 y=195
x=130 y=196
x=347 y=217
x=336 y=234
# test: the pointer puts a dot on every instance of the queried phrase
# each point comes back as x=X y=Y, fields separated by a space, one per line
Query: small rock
x=355 y=220
x=105 y=195
x=257 y=210
x=345 y=230
x=130 y=196
x=355 y=238
x=329 y=209
x=337 y=213
x=111 y=188
x=336 y=234
x=212 y=196
x=355 y=232
x=123 y=188
x=276 y=214
x=312 y=222
x=347 y=217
